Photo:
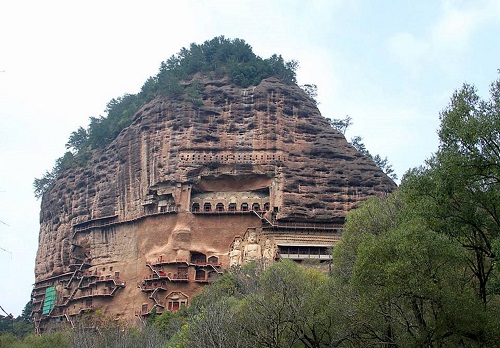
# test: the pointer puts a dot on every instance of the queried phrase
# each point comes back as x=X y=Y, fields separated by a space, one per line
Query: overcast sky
x=390 y=65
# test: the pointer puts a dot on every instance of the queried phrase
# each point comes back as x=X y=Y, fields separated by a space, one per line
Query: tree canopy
x=458 y=189
x=420 y=267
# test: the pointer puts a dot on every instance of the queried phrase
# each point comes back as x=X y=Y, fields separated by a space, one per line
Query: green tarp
x=50 y=299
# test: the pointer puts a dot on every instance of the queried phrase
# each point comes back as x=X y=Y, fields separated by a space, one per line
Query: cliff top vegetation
x=217 y=58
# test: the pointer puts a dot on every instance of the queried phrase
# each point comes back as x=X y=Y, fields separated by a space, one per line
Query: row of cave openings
x=231 y=158
x=232 y=207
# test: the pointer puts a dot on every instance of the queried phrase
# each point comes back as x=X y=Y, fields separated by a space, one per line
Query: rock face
x=185 y=192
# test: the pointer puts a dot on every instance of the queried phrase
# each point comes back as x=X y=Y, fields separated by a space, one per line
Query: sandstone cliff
x=185 y=182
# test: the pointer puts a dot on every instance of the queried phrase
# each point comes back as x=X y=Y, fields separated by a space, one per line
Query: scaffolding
x=163 y=272
x=82 y=286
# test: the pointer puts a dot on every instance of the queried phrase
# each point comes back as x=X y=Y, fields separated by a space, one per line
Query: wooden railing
x=112 y=220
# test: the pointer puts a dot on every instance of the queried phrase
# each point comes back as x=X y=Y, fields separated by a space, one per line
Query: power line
x=5 y=223
x=7 y=251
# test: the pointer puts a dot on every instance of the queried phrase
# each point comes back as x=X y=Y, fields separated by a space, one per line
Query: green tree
x=290 y=308
x=217 y=323
x=41 y=185
x=284 y=305
x=382 y=163
x=341 y=124
x=405 y=283
x=170 y=323
x=420 y=267
x=78 y=140
x=286 y=71
x=195 y=93
x=357 y=142
x=273 y=314
x=410 y=285
x=375 y=216
x=311 y=91
x=458 y=190
x=215 y=314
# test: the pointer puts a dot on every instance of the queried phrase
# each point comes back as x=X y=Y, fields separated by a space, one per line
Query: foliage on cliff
x=383 y=163
x=218 y=58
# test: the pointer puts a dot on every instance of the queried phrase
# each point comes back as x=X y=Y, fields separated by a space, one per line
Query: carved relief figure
x=269 y=252
x=235 y=253
x=252 y=251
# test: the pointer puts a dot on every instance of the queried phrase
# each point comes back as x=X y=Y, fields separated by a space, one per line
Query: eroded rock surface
x=157 y=213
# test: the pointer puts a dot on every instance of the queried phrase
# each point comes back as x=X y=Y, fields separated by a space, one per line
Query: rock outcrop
x=187 y=190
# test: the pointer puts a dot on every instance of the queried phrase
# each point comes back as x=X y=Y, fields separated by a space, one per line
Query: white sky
x=390 y=65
